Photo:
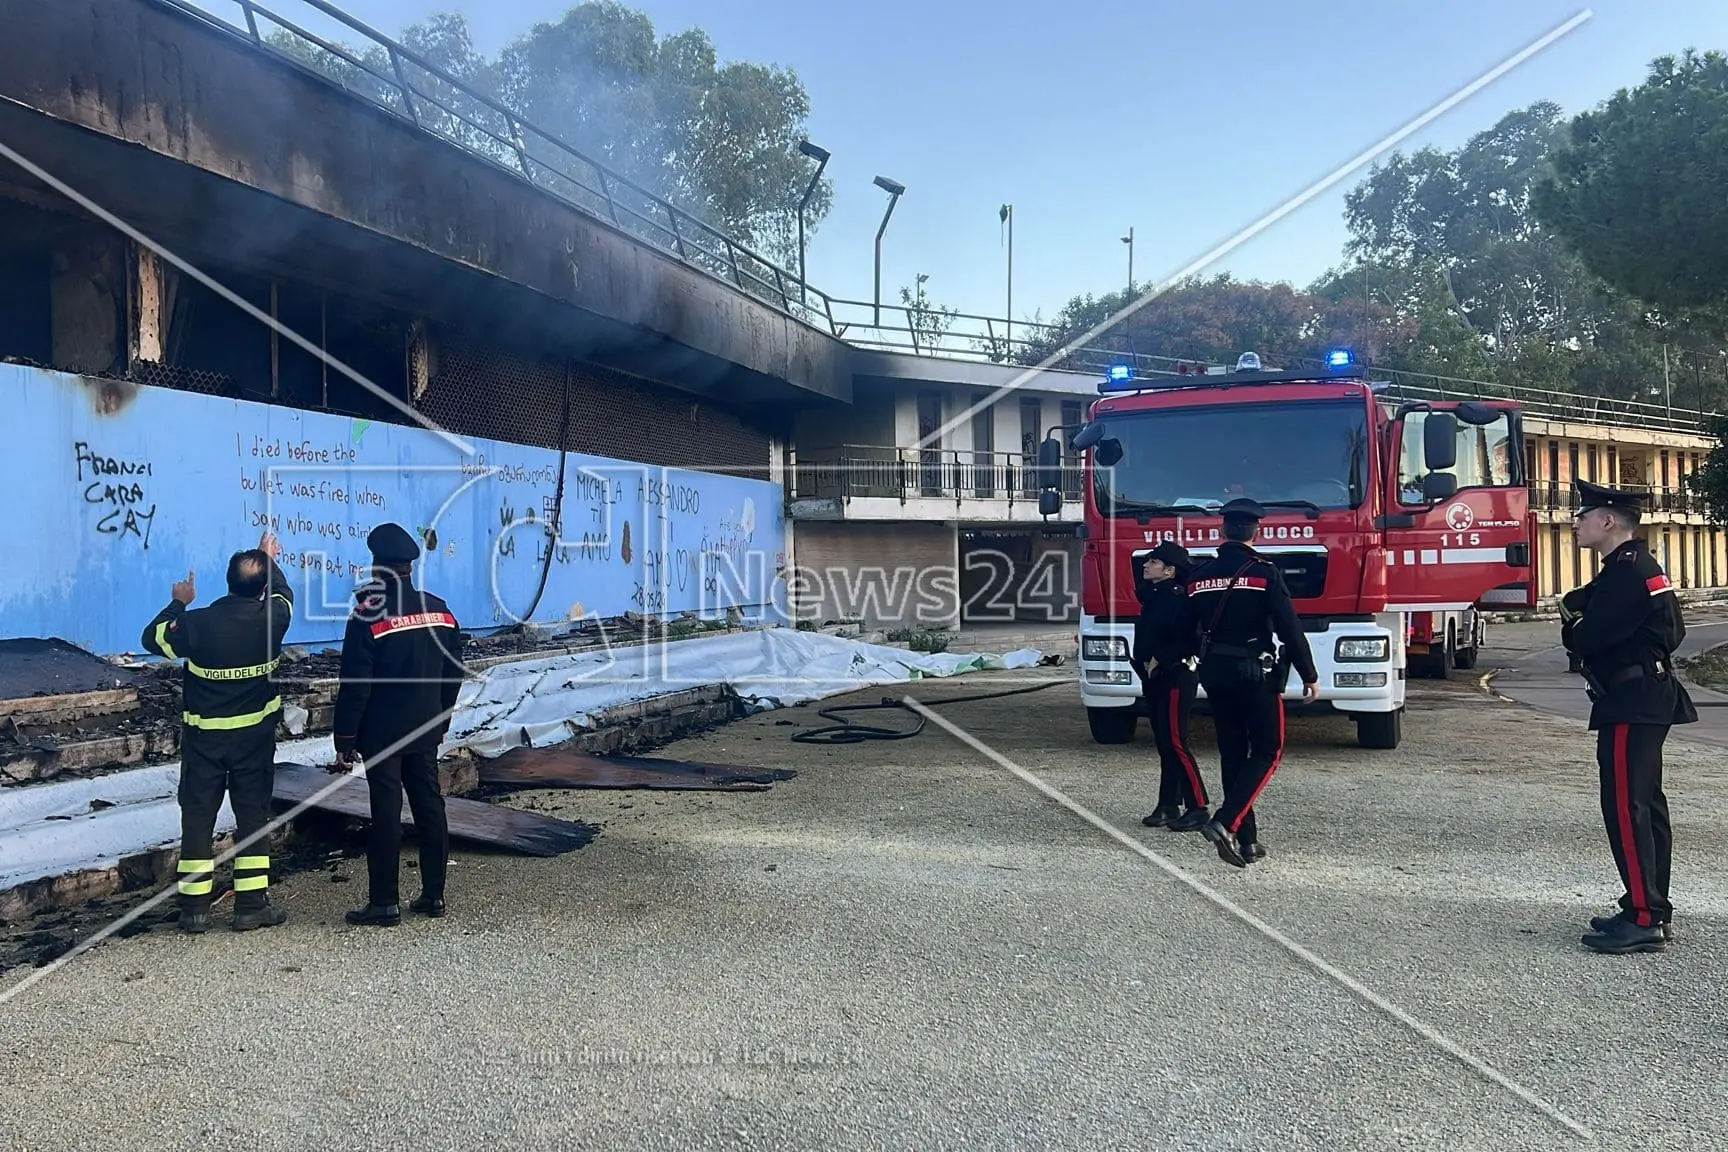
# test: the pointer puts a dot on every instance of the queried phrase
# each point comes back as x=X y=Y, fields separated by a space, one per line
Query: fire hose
x=843 y=731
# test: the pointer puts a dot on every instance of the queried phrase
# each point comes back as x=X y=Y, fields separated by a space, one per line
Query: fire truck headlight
x=1105 y=648
x=1360 y=649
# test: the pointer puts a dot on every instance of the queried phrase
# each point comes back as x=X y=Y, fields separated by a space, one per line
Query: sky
x=1188 y=122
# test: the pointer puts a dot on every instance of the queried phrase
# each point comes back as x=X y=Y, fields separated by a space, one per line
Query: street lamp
x=894 y=188
x=820 y=155
x=1006 y=215
x=1129 y=240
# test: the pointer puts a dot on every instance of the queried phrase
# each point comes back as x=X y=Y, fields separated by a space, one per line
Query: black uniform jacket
x=1629 y=626
x=231 y=649
x=1258 y=607
x=401 y=668
x=1158 y=631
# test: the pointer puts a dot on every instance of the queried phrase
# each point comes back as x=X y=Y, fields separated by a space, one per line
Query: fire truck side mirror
x=1438 y=486
x=1439 y=440
x=1050 y=465
x=1049 y=502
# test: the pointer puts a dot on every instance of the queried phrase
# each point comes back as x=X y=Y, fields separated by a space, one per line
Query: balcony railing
x=857 y=470
x=1550 y=496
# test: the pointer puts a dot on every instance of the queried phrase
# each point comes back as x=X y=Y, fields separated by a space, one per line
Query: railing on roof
x=402 y=82
x=406 y=84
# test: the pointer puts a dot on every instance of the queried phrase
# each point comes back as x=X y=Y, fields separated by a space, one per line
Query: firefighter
x=1624 y=627
x=401 y=670
x=1167 y=680
x=1237 y=603
x=230 y=702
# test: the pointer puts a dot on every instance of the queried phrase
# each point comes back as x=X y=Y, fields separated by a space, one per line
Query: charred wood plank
x=470 y=821
x=572 y=768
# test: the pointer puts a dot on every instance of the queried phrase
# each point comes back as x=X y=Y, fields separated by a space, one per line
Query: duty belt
x=1234 y=650
x=1596 y=687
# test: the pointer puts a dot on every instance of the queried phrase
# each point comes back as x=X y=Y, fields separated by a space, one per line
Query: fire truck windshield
x=1310 y=455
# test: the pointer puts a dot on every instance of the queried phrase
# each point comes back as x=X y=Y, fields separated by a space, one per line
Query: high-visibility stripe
x=162 y=641
x=417 y=620
x=250 y=883
x=229 y=723
x=197 y=865
x=250 y=863
x=285 y=600
x=196 y=887
x=246 y=673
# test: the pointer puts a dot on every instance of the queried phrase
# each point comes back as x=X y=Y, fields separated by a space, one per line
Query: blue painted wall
x=107 y=497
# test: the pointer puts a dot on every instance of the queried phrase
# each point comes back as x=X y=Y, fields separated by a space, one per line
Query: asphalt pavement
x=1538 y=677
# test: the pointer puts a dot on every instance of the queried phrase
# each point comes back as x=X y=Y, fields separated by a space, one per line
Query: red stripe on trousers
x=1182 y=749
x=1270 y=768
x=1628 y=841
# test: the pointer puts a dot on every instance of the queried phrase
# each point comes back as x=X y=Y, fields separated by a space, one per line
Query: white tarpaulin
x=56 y=828
x=546 y=701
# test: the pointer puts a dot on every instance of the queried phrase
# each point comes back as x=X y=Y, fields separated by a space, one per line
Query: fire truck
x=1376 y=512
x=1440 y=642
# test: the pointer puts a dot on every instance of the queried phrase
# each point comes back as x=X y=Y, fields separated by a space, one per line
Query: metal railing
x=903 y=474
x=407 y=85
x=402 y=82
x=1552 y=496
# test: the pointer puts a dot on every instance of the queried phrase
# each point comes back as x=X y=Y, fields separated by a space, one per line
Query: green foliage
x=1452 y=275
x=1710 y=481
x=926 y=322
x=719 y=140
x=1637 y=188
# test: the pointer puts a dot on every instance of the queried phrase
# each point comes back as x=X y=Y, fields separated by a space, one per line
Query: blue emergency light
x=1121 y=372
x=1340 y=358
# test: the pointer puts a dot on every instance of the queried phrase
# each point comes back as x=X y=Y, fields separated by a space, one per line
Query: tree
x=718 y=140
x=1637 y=188
x=926 y=322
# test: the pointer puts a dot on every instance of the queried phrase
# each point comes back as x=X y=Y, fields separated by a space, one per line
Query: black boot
x=1191 y=820
x=1225 y=841
x=1161 y=817
x=1620 y=936
x=377 y=915
x=264 y=915
x=1607 y=923
x=1252 y=850
x=194 y=919
x=429 y=906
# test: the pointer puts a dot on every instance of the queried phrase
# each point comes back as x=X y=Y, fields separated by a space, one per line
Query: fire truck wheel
x=1112 y=725
x=1380 y=729
x=1466 y=658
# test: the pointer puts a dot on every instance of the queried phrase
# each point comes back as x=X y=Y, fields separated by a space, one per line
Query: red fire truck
x=1375 y=511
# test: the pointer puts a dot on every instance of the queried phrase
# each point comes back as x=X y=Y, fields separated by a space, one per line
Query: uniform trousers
x=1169 y=699
x=1635 y=811
x=387 y=779
x=1250 y=723
x=240 y=764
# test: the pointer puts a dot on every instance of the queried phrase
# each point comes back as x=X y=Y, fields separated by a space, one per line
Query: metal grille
x=199 y=380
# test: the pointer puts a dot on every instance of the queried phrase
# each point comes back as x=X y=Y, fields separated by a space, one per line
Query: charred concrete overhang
x=876 y=370
x=219 y=151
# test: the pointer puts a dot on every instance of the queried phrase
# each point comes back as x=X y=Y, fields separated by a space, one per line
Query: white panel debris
x=71 y=825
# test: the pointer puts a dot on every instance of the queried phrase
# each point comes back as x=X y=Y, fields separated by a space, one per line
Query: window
x=1485 y=457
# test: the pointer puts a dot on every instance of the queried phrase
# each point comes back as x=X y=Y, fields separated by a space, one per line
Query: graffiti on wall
x=176 y=482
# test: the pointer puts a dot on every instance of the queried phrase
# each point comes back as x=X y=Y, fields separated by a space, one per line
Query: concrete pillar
x=87 y=296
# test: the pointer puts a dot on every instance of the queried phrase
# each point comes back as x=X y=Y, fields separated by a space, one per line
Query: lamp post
x=894 y=188
x=1129 y=240
x=820 y=155
x=1006 y=215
